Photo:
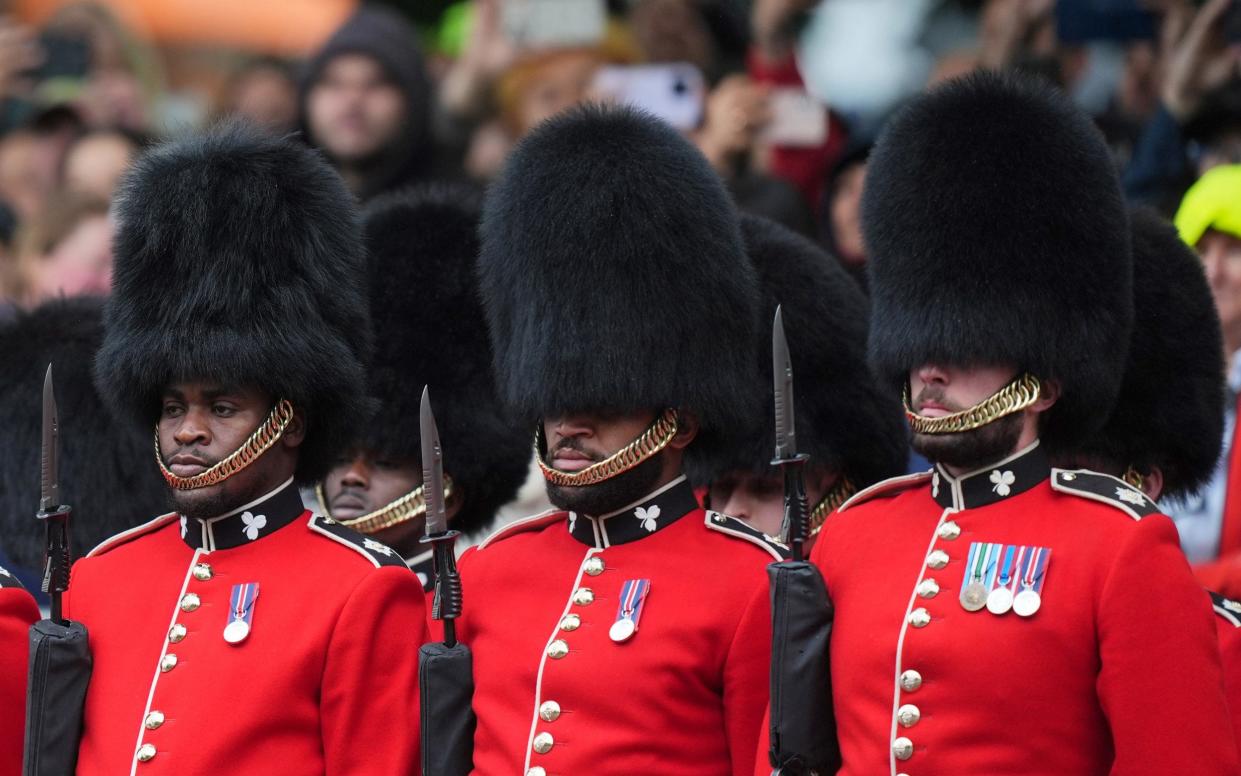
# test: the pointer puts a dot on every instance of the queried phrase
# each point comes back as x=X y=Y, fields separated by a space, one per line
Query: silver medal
x=622 y=630
x=1027 y=603
x=1000 y=600
x=974 y=596
x=236 y=631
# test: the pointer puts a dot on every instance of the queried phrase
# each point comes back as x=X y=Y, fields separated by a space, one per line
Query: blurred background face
x=556 y=85
x=1221 y=258
x=94 y=164
x=354 y=110
x=673 y=31
x=79 y=264
x=266 y=96
x=846 y=206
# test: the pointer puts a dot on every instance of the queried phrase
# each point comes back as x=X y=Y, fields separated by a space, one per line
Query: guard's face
x=935 y=391
x=758 y=499
x=577 y=440
x=360 y=483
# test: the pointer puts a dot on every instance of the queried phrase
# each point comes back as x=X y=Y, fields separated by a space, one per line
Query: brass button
x=168 y=663
x=549 y=711
x=908 y=715
x=570 y=622
x=910 y=680
x=536 y=771
x=583 y=596
x=202 y=572
x=154 y=720
x=146 y=753
x=919 y=618
x=928 y=588
x=557 y=649
x=949 y=531
x=176 y=633
x=903 y=748
x=594 y=566
x=190 y=602
x=543 y=743
x=937 y=559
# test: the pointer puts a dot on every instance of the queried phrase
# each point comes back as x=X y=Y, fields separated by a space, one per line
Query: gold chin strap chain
x=259 y=442
x=408 y=507
x=839 y=494
x=655 y=438
x=1014 y=397
x=1134 y=478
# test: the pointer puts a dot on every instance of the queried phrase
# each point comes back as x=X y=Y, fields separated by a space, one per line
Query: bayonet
x=54 y=514
x=50 y=489
x=796 y=512
x=432 y=469
x=446 y=604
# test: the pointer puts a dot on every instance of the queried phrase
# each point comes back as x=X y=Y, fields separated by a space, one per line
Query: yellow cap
x=1214 y=202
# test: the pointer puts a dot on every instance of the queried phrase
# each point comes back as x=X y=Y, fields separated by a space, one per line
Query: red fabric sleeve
x=17 y=613
x=1223 y=575
x=747 y=670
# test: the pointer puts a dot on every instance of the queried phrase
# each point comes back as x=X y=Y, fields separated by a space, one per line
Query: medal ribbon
x=633 y=596
x=1032 y=574
x=242 y=600
x=1012 y=576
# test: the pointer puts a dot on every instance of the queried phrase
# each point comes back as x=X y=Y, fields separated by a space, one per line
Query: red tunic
x=1117 y=672
x=326 y=682
x=555 y=695
x=1228 y=629
x=17 y=613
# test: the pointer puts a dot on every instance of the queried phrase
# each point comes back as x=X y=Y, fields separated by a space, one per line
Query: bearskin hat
x=106 y=471
x=239 y=259
x=845 y=419
x=430 y=330
x=996 y=234
x=613 y=273
x=1170 y=411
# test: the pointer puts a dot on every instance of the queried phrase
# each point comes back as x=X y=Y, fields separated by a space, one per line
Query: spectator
x=365 y=101
x=840 y=222
x=95 y=161
x=66 y=250
x=264 y=92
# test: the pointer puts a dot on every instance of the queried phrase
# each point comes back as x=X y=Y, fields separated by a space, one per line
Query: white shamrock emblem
x=1130 y=496
x=254 y=523
x=1002 y=481
x=647 y=516
x=184 y=525
x=1232 y=606
x=375 y=546
x=935 y=485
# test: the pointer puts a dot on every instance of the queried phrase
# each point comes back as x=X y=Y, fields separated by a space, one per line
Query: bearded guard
x=618 y=294
x=430 y=331
x=999 y=250
x=238 y=294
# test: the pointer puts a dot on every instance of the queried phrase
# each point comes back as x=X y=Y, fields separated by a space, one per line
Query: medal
x=974 y=592
x=1028 y=601
x=632 y=599
x=241 y=612
x=1000 y=599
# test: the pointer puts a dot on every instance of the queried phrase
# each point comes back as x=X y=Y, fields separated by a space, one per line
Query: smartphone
x=675 y=93
x=63 y=57
x=553 y=23
x=797 y=119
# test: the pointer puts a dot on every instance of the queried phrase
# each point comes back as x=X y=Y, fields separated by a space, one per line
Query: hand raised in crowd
x=773 y=23
x=19 y=53
x=488 y=52
x=1199 y=58
x=737 y=110
x=1006 y=28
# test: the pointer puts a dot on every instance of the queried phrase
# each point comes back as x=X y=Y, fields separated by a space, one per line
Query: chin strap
x=655 y=438
x=1014 y=397
x=259 y=442
x=408 y=507
x=839 y=494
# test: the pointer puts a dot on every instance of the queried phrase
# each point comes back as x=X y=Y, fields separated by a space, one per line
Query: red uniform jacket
x=17 y=613
x=556 y=695
x=1228 y=629
x=1116 y=672
x=325 y=682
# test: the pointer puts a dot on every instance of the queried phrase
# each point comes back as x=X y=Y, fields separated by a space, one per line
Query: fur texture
x=239 y=259
x=1170 y=412
x=107 y=469
x=613 y=273
x=996 y=233
x=845 y=419
x=430 y=330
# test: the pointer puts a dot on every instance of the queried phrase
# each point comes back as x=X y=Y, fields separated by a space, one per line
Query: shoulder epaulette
x=129 y=535
x=8 y=580
x=1227 y=608
x=890 y=486
x=718 y=521
x=1105 y=489
x=532 y=523
x=377 y=553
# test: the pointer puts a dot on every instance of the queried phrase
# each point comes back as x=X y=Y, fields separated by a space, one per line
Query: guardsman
x=241 y=633
x=998 y=615
x=851 y=427
x=628 y=632
x=18 y=612
x=430 y=330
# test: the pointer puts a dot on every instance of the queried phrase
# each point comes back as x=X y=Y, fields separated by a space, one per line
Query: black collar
x=245 y=524
x=1015 y=474
x=638 y=520
x=423 y=564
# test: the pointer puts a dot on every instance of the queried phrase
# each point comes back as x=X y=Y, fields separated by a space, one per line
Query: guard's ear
x=1152 y=483
x=1049 y=393
x=295 y=433
x=687 y=429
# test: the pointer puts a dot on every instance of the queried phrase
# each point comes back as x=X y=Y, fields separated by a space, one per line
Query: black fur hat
x=239 y=259
x=996 y=233
x=430 y=330
x=845 y=419
x=613 y=273
x=106 y=470
x=1170 y=411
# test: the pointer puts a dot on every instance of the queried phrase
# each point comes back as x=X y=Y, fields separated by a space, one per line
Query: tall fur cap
x=239 y=259
x=1170 y=411
x=845 y=419
x=613 y=273
x=106 y=469
x=996 y=233
x=430 y=330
